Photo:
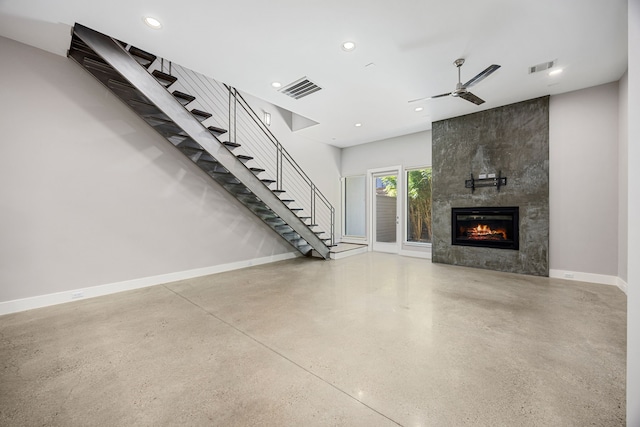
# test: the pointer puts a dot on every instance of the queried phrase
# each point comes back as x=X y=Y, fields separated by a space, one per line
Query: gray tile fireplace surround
x=512 y=140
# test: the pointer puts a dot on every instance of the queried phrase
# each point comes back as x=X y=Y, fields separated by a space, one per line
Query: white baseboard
x=7 y=307
x=622 y=285
x=602 y=279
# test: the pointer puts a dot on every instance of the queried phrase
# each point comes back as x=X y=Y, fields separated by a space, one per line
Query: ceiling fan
x=461 y=89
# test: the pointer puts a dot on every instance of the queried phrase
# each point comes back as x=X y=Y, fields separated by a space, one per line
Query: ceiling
x=411 y=43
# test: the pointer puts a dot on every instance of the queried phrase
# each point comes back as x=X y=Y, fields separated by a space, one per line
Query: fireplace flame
x=483 y=231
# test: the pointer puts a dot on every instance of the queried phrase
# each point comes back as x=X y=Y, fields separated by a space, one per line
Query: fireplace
x=485 y=227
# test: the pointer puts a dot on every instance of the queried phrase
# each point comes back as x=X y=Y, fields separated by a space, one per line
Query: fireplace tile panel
x=512 y=140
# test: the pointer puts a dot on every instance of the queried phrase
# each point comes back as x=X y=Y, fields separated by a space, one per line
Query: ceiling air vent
x=300 y=88
x=541 y=67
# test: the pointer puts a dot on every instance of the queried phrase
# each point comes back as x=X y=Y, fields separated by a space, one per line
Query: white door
x=386 y=194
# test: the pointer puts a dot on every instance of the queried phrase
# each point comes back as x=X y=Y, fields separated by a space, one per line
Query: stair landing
x=343 y=250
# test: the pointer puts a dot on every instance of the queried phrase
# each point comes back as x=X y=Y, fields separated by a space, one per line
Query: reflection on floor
x=369 y=340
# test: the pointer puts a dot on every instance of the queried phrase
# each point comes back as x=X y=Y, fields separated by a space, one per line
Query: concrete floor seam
x=282 y=356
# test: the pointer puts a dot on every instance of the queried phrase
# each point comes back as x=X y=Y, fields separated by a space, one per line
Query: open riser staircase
x=176 y=103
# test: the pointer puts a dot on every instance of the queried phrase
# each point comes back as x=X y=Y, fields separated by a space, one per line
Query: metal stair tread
x=244 y=158
x=249 y=199
x=144 y=58
x=79 y=46
x=168 y=128
x=235 y=188
x=201 y=115
x=183 y=98
x=190 y=143
x=213 y=169
x=99 y=65
x=125 y=88
x=193 y=153
x=231 y=145
x=163 y=78
x=216 y=130
x=78 y=42
x=127 y=63
x=206 y=157
x=147 y=110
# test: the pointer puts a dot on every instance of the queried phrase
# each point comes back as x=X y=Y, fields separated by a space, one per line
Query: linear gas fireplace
x=485 y=227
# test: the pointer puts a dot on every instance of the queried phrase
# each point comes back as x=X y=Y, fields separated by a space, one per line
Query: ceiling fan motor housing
x=459 y=90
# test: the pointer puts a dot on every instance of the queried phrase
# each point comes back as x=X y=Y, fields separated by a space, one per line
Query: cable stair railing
x=188 y=109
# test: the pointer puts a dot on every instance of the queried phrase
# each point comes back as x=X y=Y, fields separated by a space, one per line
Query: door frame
x=385 y=247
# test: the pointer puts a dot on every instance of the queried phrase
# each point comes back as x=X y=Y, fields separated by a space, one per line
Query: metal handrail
x=229 y=106
x=280 y=147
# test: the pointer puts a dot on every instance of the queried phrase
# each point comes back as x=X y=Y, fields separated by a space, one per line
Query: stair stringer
x=117 y=57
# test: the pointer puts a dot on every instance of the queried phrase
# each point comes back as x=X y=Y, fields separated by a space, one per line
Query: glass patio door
x=385 y=208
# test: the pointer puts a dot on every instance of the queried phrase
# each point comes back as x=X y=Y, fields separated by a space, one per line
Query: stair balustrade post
x=333 y=224
x=313 y=203
x=279 y=167
x=229 y=127
x=235 y=115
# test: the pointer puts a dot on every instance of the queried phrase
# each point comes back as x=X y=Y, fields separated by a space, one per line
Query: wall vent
x=541 y=67
x=300 y=88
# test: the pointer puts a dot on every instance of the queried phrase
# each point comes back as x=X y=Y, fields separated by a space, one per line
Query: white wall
x=584 y=176
x=633 y=281
x=583 y=189
x=409 y=151
x=91 y=195
x=623 y=175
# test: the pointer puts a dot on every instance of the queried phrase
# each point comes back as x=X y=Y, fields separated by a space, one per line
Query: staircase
x=161 y=100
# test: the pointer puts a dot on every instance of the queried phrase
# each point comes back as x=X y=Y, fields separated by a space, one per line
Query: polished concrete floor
x=369 y=340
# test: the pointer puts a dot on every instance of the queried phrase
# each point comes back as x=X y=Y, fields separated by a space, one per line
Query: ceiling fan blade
x=429 y=97
x=471 y=98
x=490 y=69
x=419 y=99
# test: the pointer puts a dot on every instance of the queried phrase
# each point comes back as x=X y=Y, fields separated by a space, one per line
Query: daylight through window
x=419 y=205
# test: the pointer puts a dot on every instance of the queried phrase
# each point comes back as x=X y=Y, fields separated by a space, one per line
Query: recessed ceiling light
x=358 y=125
x=419 y=109
x=348 y=46
x=276 y=84
x=152 y=22
x=555 y=72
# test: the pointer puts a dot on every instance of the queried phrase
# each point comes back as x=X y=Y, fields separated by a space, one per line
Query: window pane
x=419 y=205
x=354 y=206
x=385 y=215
